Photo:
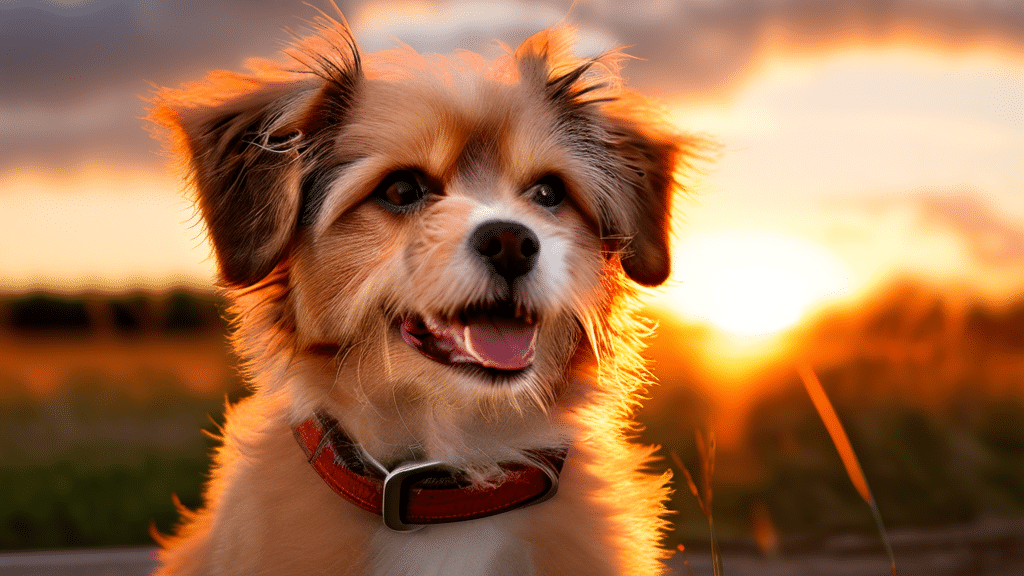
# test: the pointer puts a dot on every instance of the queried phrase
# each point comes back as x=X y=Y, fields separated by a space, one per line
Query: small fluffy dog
x=432 y=263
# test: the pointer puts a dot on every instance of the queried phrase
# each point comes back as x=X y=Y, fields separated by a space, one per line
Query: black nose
x=508 y=248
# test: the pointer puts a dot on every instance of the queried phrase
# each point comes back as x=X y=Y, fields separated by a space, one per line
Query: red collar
x=417 y=493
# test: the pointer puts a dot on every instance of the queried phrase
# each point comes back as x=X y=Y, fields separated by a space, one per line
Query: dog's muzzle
x=499 y=336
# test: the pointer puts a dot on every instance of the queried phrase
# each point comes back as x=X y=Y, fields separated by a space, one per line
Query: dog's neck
x=392 y=426
x=417 y=493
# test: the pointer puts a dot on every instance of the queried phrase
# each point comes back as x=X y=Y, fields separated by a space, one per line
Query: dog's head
x=439 y=232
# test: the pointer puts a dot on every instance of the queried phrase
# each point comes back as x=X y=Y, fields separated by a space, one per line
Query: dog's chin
x=497 y=342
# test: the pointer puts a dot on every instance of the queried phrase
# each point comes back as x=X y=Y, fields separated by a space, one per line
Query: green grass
x=96 y=465
x=75 y=503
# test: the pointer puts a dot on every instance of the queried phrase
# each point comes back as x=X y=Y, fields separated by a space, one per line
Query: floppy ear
x=251 y=145
x=648 y=165
x=247 y=142
x=243 y=157
x=613 y=129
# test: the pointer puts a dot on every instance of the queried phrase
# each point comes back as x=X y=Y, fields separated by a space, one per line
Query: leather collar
x=418 y=493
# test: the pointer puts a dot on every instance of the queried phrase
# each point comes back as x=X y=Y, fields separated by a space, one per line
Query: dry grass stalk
x=842 y=443
x=706 y=452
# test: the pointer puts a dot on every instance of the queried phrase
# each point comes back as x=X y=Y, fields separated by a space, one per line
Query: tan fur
x=284 y=160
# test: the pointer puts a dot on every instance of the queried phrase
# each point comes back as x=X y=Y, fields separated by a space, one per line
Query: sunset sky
x=862 y=140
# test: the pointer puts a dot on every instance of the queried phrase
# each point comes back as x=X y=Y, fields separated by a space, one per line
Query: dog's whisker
x=339 y=360
x=401 y=418
x=385 y=348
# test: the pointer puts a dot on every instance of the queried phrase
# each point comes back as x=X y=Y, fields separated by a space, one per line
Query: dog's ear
x=618 y=130
x=242 y=152
x=648 y=164
x=251 y=144
x=246 y=140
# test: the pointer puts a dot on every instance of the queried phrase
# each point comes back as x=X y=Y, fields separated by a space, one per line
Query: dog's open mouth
x=496 y=338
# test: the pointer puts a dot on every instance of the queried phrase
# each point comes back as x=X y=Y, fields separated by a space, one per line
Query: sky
x=861 y=140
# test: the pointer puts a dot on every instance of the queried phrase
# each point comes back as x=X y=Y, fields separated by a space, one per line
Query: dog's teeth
x=460 y=338
x=431 y=323
x=467 y=345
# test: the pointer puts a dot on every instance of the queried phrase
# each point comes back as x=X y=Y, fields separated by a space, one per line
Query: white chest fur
x=488 y=546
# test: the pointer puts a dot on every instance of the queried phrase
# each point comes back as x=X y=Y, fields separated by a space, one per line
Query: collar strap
x=417 y=493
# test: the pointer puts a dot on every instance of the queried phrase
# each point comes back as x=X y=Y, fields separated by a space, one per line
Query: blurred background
x=865 y=217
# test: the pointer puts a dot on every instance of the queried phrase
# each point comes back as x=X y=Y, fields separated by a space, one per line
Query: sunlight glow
x=100 y=229
x=846 y=146
x=749 y=283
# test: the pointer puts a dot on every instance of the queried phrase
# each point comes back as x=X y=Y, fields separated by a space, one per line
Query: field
x=103 y=400
x=101 y=415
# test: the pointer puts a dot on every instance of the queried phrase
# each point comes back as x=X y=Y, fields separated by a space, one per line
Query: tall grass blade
x=842 y=443
x=689 y=482
x=706 y=451
x=716 y=552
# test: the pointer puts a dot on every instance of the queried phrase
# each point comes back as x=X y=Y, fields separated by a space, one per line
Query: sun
x=752 y=284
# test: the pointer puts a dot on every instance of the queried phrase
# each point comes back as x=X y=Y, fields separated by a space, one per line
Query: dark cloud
x=62 y=63
x=702 y=48
x=71 y=77
x=56 y=58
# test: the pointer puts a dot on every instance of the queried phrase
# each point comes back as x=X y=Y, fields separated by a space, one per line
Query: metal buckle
x=394 y=501
x=552 y=490
x=395 y=493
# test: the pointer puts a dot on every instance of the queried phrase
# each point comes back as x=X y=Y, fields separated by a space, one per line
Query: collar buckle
x=395 y=499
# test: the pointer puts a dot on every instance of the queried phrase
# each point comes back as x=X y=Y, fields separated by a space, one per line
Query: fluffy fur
x=288 y=161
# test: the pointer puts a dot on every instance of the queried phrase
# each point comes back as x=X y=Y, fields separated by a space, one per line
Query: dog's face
x=453 y=240
x=442 y=233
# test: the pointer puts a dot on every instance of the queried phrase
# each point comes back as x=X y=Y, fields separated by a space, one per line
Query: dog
x=433 y=265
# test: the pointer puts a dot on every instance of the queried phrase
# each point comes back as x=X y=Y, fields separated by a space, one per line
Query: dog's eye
x=400 y=191
x=549 y=191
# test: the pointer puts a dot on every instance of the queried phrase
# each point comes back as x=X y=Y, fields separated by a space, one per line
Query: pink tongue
x=500 y=343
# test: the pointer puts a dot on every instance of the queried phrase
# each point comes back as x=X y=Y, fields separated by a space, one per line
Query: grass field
x=100 y=423
x=95 y=459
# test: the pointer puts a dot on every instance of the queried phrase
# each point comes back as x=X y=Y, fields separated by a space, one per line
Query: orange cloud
x=991 y=238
